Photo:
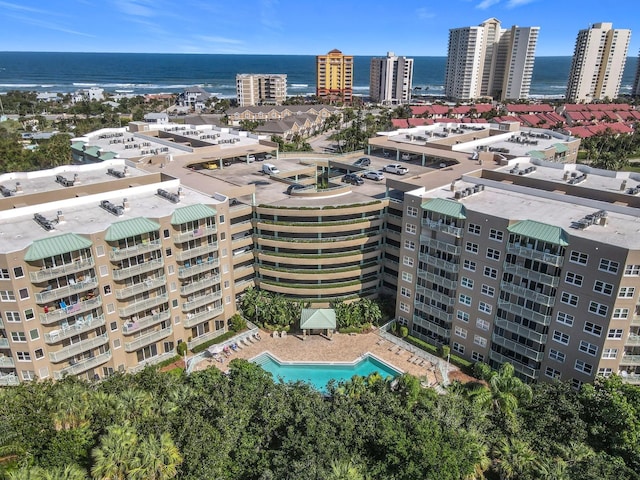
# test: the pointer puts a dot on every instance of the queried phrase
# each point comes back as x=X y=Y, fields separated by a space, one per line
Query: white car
x=406 y=156
x=373 y=175
x=251 y=158
x=395 y=168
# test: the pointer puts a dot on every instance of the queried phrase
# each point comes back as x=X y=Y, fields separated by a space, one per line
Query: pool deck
x=342 y=348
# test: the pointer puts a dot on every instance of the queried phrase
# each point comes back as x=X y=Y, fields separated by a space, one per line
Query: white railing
x=147 y=266
x=190 y=270
x=147 y=339
x=142 y=305
x=148 y=321
x=199 y=285
x=81 y=326
x=193 y=234
x=77 y=348
x=66 y=291
x=442 y=227
x=144 y=247
x=201 y=301
x=144 y=286
x=82 y=366
x=55 y=272
x=197 y=251
x=70 y=310
x=196 y=318
x=533 y=254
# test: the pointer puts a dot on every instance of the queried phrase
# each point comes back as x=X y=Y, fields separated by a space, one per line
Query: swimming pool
x=318 y=374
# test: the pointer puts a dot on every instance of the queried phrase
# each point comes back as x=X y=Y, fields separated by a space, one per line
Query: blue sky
x=306 y=27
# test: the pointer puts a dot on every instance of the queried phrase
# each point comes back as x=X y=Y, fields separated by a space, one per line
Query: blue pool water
x=319 y=374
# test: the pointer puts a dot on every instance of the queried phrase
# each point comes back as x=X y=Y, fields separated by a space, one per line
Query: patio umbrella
x=214 y=349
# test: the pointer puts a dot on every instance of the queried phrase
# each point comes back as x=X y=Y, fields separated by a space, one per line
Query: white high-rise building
x=391 y=79
x=636 y=83
x=261 y=89
x=598 y=63
x=488 y=61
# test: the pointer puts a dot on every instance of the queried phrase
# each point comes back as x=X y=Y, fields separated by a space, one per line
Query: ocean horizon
x=142 y=73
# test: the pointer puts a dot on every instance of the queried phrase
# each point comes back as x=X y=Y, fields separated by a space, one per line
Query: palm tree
x=115 y=457
x=513 y=458
x=344 y=470
x=157 y=459
x=70 y=404
x=505 y=392
x=480 y=451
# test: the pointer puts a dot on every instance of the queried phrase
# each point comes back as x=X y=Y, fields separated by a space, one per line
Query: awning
x=450 y=208
x=317 y=318
x=192 y=213
x=50 y=247
x=540 y=231
x=130 y=228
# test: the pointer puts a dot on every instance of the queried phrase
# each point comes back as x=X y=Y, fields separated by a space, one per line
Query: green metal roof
x=191 y=213
x=540 y=231
x=449 y=208
x=130 y=228
x=50 y=247
x=77 y=145
x=93 y=151
x=317 y=318
x=561 y=147
x=108 y=155
x=537 y=154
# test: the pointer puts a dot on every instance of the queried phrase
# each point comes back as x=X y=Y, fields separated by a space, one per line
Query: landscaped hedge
x=203 y=346
x=465 y=365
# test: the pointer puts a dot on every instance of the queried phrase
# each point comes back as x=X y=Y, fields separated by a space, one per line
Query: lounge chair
x=410 y=359
x=283 y=334
x=258 y=337
x=422 y=362
x=392 y=347
x=275 y=334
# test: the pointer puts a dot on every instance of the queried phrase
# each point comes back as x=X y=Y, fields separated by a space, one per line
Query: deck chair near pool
x=392 y=347
x=410 y=359
x=275 y=334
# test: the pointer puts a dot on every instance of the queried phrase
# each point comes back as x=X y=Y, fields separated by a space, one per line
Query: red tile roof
x=524 y=108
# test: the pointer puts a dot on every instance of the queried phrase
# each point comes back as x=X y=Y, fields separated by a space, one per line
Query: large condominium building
x=598 y=63
x=334 y=77
x=636 y=83
x=488 y=61
x=391 y=79
x=260 y=89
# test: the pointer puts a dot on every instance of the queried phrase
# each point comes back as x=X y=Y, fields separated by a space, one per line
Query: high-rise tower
x=391 y=79
x=334 y=77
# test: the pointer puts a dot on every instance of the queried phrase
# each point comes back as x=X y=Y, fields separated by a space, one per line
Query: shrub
x=445 y=351
x=481 y=370
x=404 y=331
x=237 y=323
x=181 y=349
x=220 y=339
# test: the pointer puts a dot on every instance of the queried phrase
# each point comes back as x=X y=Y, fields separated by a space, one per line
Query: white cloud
x=22 y=8
x=49 y=25
x=138 y=8
x=224 y=40
x=484 y=4
x=517 y=3
x=423 y=14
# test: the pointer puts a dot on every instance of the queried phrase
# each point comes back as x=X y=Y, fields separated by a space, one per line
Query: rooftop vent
x=6 y=192
x=597 y=218
x=43 y=222
x=116 y=173
x=64 y=182
x=172 y=197
x=117 y=210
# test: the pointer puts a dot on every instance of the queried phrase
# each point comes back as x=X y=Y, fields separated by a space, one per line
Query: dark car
x=293 y=187
x=362 y=162
x=353 y=179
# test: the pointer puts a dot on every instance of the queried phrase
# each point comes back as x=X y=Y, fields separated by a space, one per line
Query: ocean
x=141 y=73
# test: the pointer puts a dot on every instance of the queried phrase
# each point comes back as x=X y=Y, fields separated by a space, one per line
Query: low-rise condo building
x=261 y=89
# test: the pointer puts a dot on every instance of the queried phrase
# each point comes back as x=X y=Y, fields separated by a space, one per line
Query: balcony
x=525 y=312
x=80 y=327
x=9 y=380
x=201 y=300
x=437 y=296
x=78 y=348
x=145 y=322
x=121 y=253
x=152 y=361
x=519 y=367
x=7 y=362
x=436 y=312
x=439 y=263
x=437 y=279
x=196 y=318
x=521 y=330
x=633 y=340
x=145 y=286
x=632 y=378
x=141 y=305
x=432 y=327
x=75 y=309
x=54 y=272
x=442 y=227
x=528 y=294
x=518 y=348
x=193 y=234
x=526 y=252
x=189 y=288
x=205 y=338
x=147 y=339
x=83 y=366
x=635 y=320
x=630 y=359
x=197 y=251
x=145 y=267
x=62 y=292
x=188 y=271
x=439 y=245
x=4 y=343
x=532 y=275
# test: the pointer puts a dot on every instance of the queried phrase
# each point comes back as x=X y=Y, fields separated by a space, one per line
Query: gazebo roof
x=317 y=318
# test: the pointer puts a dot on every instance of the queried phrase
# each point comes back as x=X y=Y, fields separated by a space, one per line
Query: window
x=592 y=328
x=4 y=274
x=113 y=326
x=556 y=355
x=487 y=290
x=605 y=372
x=610 y=353
x=166 y=233
x=12 y=317
x=224 y=253
x=493 y=254
x=598 y=308
x=408 y=261
x=100 y=251
x=482 y=324
x=576 y=384
x=464 y=299
x=28 y=314
x=608 y=266
x=602 y=287
x=588 y=348
x=116 y=344
x=407 y=277
x=104 y=270
x=466 y=282
x=410 y=228
x=28 y=375
x=221 y=219
x=615 y=333
x=496 y=235
x=458 y=348
x=480 y=341
x=404 y=307
x=39 y=353
x=474 y=229
x=565 y=319
x=477 y=357
x=111 y=308
x=626 y=292
x=18 y=337
x=24 y=293
x=578 y=257
x=7 y=296
x=412 y=212
x=471 y=247
x=552 y=373
x=18 y=272
x=107 y=289
x=174 y=303
x=409 y=245
x=171 y=269
x=168 y=252
x=225 y=268
x=490 y=272
x=485 y=307
x=573 y=279
x=23 y=356
x=561 y=337
x=569 y=299
x=620 y=313
x=461 y=332
x=583 y=367
x=405 y=292
x=469 y=265
x=632 y=270
x=462 y=316
x=34 y=334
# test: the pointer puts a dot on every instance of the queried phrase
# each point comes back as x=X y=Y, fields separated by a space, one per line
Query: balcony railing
x=519 y=367
x=66 y=291
x=147 y=266
x=630 y=359
x=635 y=320
x=78 y=348
x=201 y=301
x=439 y=263
x=151 y=361
x=196 y=318
x=436 y=312
x=521 y=330
x=144 y=286
x=517 y=347
x=531 y=275
x=531 y=253
x=7 y=362
x=10 y=380
x=205 y=338
x=141 y=305
x=442 y=227
x=438 y=280
x=55 y=272
x=632 y=378
x=528 y=294
x=83 y=366
x=80 y=327
x=147 y=339
x=144 y=247
x=633 y=340
x=437 y=296
x=188 y=271
x=440 y=245
x=193 y=234
x=145 y=322
x=432 y=327
x=197 y=251
x=75 y=309
x=524 y=312
x=199 y=284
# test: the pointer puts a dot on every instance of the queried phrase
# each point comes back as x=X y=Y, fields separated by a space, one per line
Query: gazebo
x=317 y=319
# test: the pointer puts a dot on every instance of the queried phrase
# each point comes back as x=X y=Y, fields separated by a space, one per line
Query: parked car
x=251 y=158
x=292 y=188
x=362 y=162
x=373 y=175
x=395 y=168
x=353 y=179
x=270 y=169
x=406 y=156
